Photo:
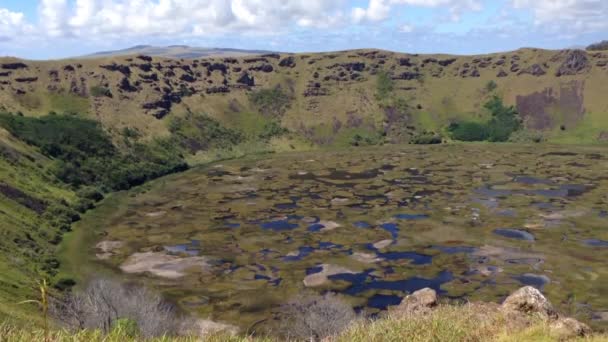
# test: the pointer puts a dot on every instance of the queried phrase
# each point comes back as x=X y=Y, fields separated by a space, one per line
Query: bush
x=270 y=102
x=527 y=136
x=100 y=91
x=504 y=122
x=491 y=86
x=468 y=131
x=272 y=129
x=384 y=85
x=108 y=305
x=197 y=132
x=314 y=317
x=426 y=138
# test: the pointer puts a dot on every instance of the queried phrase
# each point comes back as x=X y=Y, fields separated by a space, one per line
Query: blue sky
x=41 y=29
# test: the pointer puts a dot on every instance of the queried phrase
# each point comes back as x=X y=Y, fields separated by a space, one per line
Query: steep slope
x=328 y=96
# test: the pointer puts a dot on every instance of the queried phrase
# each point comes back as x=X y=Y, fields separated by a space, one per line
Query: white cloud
x=12 y=24
x=568 y=16
x=171 y=18
x=378 y=10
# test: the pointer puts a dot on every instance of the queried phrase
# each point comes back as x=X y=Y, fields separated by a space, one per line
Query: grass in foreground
x=446 y=323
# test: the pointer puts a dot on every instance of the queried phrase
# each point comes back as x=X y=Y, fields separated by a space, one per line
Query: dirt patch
x=163 y=265
x=537 y=108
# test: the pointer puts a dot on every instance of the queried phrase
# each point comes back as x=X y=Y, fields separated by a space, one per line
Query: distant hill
x=177 y=51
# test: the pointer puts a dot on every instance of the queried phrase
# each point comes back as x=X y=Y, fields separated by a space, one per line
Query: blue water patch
x=391 y=228
x=314 y=269
x=303 y=252
x=315 y=227
x=362 y=224
x=596 y=243
x=416 y=258
x=275 y=282
x=328 y=245
x=535 y=280
x=191 y=248
x=232 y=224
x=411 y=217
x=285 y=206
x=514 y=234
x=455 y=249
x=261 y=277
x=360 y=284
x=279 y=225
x=380 y=301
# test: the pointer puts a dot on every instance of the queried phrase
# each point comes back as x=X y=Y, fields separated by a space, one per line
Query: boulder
x=419 y=302
x=246 y=80
x=123 y=69
x=288 y=62
x=14 y=66
x=568 y=328
x=502 y=73
x=529 y=300
x=576 y=62
x=534 y=70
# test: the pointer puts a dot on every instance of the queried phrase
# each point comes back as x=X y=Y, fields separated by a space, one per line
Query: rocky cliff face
x=336 y=91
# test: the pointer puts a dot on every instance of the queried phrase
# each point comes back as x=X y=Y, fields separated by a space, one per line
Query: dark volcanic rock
x=246 y=80
x=502 y=73
x=262 y=68
x=26 y=79
x=288 y=62
x=355 y=66
x=405 y=62
x=14 y=66
x=446 y=62
x=230 y=60
x=474 y=73
x=22 y=198
x=316 y=91
x=68 y=68
x=218 y=66
x=219 y=89
x=187 y=78
x=408 y=76
x=125 y=85
x=534 y=70
x=145 y=67
x=576 y=62
x=145 y=58
x=161 y=113
x=255 y=59
x=125 y=70
x=5 y=74
x=602 y=63
x=149 y=78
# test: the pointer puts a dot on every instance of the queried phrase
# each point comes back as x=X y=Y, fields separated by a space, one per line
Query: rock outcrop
x=576 y=62
x=529 y=300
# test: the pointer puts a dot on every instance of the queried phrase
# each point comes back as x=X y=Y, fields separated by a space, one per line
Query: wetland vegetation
x=234 y=241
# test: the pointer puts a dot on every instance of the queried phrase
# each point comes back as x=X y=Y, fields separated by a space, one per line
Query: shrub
x=197 y=132
x=426 y=138
x=108 y=305
x=527 y=136
x=314 y=317
x=468 y=131
x=272 y=129
x=101 y=91
x=491 y=86
x=384 y=85
x=504 y=121
x=270 y=102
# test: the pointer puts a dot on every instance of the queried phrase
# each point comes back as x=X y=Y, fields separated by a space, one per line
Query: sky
x=49 y=29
